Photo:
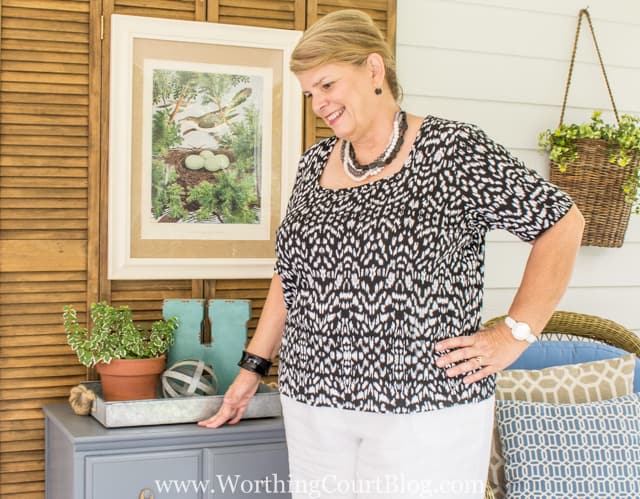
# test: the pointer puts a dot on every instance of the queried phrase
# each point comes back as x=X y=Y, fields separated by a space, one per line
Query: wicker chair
x=586 y=326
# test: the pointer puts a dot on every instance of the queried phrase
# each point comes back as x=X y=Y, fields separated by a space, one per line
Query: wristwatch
x=520 y=330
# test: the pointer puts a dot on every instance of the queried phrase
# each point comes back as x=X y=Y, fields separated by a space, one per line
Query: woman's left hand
x=481 y=354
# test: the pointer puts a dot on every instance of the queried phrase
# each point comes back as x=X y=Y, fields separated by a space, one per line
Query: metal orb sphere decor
x=188 y=378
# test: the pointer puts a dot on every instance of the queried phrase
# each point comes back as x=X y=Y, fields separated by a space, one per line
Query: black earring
x=378 y=91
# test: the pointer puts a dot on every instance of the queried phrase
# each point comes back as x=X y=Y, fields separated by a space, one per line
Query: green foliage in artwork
x=215 y=86
x=165 y=134
x=174 y=201
x=165 y=191
x=170 y=87
x=232 y=193
x=245 y=141
x=229 y=199
x=162 y=87
x=246 y=145
x=158 y=187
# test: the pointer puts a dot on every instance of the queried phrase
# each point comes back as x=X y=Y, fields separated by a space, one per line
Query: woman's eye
x=327 y=86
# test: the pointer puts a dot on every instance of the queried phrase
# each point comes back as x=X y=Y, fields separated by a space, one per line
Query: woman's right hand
x=235 y=400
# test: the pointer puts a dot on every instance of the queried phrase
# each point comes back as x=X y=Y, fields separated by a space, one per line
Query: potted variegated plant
x=119 y=348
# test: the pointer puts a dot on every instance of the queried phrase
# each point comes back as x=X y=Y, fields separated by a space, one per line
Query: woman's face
x=343 y=96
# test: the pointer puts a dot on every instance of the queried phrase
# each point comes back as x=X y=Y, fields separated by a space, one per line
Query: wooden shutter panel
x=170 y=9
x=44 y=161
x=283 y=14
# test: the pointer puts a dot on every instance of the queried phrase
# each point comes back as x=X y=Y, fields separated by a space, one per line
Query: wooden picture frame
x=204 y=140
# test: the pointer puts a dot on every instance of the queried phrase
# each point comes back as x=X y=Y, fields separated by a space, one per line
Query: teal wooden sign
x=228 y=319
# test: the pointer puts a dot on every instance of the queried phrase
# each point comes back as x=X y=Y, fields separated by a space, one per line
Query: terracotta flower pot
x=131 y=379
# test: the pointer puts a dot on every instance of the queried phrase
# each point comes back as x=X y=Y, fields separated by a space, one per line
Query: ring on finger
x=479 y=360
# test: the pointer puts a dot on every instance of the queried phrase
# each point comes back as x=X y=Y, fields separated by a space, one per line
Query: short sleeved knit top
x=375 y=275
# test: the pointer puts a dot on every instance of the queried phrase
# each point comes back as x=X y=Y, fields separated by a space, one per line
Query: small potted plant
x=597 y=163
x=128 y=358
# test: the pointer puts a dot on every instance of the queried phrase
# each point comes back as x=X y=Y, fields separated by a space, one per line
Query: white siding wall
x=502 y=65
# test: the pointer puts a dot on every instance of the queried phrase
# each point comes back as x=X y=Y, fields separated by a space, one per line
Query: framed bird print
x=204 y=140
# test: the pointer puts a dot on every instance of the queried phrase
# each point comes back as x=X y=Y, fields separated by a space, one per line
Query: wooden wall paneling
x=197 y=289
x=391 y=22
x=170 y=9
x=101 y=187
x=283 y=14
x=44 y=114
x=200 y=12
x=383 y=12
x=145 y=298
x=96 y=33
x=213 y=11
x=300 y=22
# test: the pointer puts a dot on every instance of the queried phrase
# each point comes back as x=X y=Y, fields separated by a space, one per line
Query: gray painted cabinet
x=84 y=460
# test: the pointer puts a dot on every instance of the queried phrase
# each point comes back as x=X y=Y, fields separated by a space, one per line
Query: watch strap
x=255 y=363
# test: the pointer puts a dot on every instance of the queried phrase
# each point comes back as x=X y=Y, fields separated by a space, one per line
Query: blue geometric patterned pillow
x=559 y=451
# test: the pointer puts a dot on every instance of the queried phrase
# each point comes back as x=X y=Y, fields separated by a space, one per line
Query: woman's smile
x=333 y=117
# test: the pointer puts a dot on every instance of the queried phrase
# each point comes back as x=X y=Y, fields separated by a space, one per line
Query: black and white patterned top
x=374 y=275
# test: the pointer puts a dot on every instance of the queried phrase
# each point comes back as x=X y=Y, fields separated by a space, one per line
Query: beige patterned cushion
x=575 y=383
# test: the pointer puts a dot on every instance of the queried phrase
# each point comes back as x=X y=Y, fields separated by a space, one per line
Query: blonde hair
x=347 y=36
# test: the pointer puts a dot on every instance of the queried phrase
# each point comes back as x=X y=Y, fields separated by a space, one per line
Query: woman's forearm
x=545 y=280
x=548 y=271
x=266 y=339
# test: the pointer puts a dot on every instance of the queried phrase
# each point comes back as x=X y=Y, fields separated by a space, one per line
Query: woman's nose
x=318 y=102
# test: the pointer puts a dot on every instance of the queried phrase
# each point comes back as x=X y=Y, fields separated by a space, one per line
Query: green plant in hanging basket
x=623 y=141
x=114 y=335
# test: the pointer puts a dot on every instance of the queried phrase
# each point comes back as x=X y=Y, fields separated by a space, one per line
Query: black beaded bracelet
x=254 y=363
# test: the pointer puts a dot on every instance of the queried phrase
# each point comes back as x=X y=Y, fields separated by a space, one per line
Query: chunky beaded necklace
x=357 y=172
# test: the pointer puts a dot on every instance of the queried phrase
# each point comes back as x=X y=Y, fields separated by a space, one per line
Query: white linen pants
x=342 y=454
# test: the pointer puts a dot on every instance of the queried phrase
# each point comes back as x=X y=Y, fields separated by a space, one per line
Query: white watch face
x=521 y=331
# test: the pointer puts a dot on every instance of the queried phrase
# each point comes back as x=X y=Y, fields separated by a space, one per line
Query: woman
x=385 y=376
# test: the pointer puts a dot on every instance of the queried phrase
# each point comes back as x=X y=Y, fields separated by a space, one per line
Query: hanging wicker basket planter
x=599 y=171
x=596 y=188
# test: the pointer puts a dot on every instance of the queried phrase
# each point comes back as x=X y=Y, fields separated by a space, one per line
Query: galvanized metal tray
x=265 y=403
